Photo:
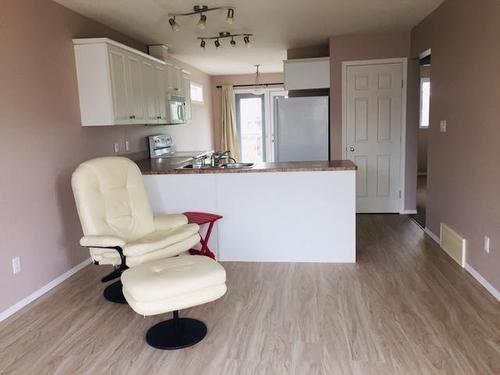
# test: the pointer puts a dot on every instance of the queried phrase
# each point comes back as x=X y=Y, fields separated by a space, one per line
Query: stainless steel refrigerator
x=302 y=129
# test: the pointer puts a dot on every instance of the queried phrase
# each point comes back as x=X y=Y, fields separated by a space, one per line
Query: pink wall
x=243 y=79
x=367 y=47
x=42 y=141
x=463 y=164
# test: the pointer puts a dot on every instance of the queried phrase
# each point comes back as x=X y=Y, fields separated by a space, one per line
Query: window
x=251 y=128
x=196 y=92
x=425 y=101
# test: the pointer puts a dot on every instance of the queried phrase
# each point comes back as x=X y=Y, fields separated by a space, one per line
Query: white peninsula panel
x=272 y=216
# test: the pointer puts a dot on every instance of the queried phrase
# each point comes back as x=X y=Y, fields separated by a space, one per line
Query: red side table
x=202 y=218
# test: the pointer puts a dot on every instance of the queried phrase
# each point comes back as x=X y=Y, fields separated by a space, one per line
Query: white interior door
x=373 y=118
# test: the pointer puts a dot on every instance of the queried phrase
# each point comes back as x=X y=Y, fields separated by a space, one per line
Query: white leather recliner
x=117 y=221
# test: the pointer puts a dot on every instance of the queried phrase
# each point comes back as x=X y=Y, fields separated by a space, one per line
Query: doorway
x=374 y=114
x=255 y=123
x=423 y=135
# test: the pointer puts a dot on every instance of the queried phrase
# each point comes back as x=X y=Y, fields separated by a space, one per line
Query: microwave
x=176 y=109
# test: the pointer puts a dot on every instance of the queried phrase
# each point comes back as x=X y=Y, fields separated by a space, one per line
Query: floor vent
x=453 y=244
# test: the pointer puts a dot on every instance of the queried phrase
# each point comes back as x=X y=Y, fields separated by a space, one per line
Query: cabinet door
x=150 y=92
x=187 y=94
x=169 y=77
x=135 y=90
x=119 y=76
x=178 y=84
x=161 y=96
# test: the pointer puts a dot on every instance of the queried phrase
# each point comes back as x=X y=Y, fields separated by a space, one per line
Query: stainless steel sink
x=223 y=166
x=237 y=165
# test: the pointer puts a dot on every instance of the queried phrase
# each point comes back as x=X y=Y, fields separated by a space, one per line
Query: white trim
x=404 y=62
x=308 y=59
x=44 y=289
x=82 y=41
x=408 y=212
x=490 y=288
x=433 y=236
x=426 y=53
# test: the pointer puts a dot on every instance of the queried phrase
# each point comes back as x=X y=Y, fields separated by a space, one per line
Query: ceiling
x=276 y=24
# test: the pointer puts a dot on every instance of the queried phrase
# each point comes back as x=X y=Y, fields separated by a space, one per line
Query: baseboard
x=490 y=288
x=432 y=235
x=408 y=212
x=44 y=289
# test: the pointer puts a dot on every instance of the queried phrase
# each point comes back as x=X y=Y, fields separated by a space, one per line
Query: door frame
x=269 y=120
x=402 y=166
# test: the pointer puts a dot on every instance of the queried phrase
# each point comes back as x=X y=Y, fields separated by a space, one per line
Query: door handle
x=352 y=149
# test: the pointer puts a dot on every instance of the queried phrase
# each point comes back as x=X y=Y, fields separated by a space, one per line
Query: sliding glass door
x=255 y=121
x=250 y=120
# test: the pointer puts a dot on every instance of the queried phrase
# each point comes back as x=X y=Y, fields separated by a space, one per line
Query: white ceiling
x=276 y=24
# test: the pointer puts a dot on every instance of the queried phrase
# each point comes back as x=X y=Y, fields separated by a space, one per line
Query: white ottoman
x=173 y=284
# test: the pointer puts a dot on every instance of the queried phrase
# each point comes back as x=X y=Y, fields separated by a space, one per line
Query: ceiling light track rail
x=225 y=35
x=201 y=10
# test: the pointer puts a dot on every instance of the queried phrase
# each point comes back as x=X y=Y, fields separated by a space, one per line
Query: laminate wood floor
x=404 y=308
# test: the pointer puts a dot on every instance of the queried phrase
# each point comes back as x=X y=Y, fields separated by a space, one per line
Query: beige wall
x=41 y=141
x=244 y=79
x=463 y=164
x=367 y=47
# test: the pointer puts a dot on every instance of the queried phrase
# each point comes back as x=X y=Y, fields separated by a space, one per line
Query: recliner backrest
x=111 y=198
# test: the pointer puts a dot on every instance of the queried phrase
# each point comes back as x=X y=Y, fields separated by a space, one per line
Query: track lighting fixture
x=201 y=10
x=224 y=35
x=175 y=26
x=202 y=23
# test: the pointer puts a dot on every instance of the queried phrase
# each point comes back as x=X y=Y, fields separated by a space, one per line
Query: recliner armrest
x=101 y=241
x=169 y=221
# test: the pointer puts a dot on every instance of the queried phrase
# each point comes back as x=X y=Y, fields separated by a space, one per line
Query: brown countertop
x=171 y=166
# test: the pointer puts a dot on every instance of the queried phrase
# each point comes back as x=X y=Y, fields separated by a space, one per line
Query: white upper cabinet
x=187 y=94
x=118 y=85
x=305 y=74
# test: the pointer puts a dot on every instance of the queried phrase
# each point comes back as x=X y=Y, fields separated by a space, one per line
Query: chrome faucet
x=217 y=158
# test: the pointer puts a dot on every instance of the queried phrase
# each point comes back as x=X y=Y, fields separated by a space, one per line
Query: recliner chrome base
x=114 y=293
x=176 y=333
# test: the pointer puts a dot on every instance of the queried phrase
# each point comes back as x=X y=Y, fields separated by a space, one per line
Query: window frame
x=421 y=125
x=199 y=86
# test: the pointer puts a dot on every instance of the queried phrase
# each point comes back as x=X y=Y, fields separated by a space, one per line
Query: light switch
x=487 y=244
x=442 y=126
x=16 y=265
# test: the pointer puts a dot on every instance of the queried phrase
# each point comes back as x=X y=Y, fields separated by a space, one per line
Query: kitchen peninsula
x=276 y=212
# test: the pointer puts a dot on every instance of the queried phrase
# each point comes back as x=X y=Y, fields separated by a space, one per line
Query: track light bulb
x=202 y=23
x=175 y=26
x=217 y=43
x=232 y=42
x=230 y=16
x=202 y=44
x=246 y=39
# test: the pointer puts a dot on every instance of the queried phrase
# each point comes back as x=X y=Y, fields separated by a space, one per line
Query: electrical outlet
x=442 y=126
x=487 y=244
x=127 y=145
x=116 y=147
x=16 y=265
